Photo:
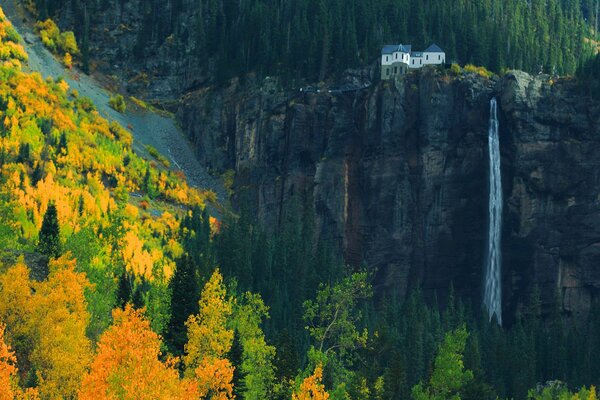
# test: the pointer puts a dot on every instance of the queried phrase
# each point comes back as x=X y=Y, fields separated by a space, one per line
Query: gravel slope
x=148 y=128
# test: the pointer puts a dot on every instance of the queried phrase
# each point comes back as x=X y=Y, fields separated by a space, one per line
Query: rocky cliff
x=150 y=45
x=397 y=174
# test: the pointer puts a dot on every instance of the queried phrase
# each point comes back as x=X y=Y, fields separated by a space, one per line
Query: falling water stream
x=492 y=296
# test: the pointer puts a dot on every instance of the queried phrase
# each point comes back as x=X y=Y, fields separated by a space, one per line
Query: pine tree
x=123 y=291
x=185 y=292
x=49 y=236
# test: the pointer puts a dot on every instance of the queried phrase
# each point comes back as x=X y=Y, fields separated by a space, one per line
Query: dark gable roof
x=391 y=48
x=434 y=48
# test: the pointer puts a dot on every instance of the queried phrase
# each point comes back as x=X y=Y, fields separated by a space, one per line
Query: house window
x=387 y=58
x=427 y=57
x=395 y=70
x=439 y=57
x=413 y=62
x=387 y=72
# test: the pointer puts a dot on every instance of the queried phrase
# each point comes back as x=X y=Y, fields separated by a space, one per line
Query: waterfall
x=492 y=296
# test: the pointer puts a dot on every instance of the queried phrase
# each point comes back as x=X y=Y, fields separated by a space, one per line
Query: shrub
x=228 y=180
x=118 y=103
x=481 y=71
x=455 y=69
x=68 y=60
x=120 y=133
x=159 y=157
x=60 y=43
x=85 y=104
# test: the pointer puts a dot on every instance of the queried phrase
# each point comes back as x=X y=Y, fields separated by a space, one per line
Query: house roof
x=392 y=48
x=434 y=48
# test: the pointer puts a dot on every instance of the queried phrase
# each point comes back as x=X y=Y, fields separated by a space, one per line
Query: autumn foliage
x=209 y=341
x=312 y=387
x=8 y=369
x=128 y=365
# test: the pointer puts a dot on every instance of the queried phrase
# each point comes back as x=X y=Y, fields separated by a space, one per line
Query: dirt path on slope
x=148 y=128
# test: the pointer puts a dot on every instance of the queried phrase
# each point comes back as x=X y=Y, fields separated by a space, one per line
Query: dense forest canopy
x=313 y=39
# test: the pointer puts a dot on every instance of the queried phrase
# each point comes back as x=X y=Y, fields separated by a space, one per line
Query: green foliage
x=159 y=157
x=117 y=102
x=258 y=372
x=313 y=39
x=49 y=237
x=449 y=375
x=332 y=318
x=184 y=291
x=556 y=390
x=588 y=76
x=228 y=180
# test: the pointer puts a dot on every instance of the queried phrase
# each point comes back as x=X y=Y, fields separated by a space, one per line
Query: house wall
x=400 y=56
x=434 y=58
x=390 y=71
x=418 y=62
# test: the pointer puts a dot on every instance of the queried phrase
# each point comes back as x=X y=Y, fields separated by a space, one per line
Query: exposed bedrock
x=397 y=175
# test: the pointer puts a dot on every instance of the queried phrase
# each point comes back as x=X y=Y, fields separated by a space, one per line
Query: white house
x=394 y=60
x=398 y=58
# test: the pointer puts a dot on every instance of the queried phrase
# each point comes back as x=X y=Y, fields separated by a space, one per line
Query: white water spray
x=492 y=296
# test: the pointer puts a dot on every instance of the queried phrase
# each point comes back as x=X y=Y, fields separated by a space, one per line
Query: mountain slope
x=148 y=128
x=117 y=212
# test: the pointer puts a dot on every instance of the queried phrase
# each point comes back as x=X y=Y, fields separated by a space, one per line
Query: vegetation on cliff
x=315 y=38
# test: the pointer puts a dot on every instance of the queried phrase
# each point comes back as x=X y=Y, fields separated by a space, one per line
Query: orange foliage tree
x=8 y=374
x=8 y=369
x=127 y=365
x=312 y=387
x=209 y=341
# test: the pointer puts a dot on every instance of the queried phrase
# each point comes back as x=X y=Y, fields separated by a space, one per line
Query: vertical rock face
x=395 y=172
x=397 y=175
x=553 y=219
x=150 y=44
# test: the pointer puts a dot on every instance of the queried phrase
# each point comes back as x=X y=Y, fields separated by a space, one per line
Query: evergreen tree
x=123 y=291
x=185 y=291
x=49 y=236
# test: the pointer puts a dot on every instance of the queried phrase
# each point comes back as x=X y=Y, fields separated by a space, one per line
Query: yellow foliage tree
x=209 y=341
x=46 y=322
x=16 y=299
x=62 y=353
x=312 y=387
x=127 y=364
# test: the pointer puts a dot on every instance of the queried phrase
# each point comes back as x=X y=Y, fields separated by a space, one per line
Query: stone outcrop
x=397 y=174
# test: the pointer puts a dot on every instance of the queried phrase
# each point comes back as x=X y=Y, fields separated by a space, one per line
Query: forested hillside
x=313 y=39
